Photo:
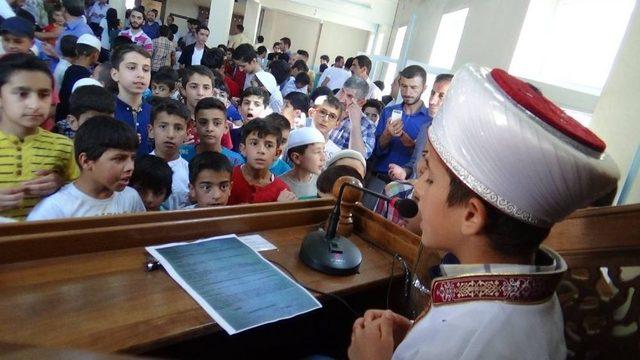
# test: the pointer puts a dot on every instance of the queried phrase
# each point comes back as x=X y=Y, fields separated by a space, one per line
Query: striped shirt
x=162 y=49
x=20 y=159
x=140 y=38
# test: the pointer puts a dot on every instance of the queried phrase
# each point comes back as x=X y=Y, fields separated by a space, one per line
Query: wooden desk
x=106 y=302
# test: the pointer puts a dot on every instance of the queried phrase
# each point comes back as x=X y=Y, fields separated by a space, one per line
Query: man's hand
x=286 y=195
x=11 y=198
x=397 y=172
x=372 y=340
x=394 y=128
x=46 y=183
x=355 y=112
x=400 y=324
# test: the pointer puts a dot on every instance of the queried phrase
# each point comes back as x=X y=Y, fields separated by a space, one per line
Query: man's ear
x=85 y=163
x=475 y=217
x=150 y=131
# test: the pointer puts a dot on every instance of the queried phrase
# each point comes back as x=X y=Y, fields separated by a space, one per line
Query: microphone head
x=407 y=208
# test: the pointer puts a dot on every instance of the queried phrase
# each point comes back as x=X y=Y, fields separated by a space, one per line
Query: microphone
x=333 y=254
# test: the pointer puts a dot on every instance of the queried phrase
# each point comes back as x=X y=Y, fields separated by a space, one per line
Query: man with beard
x=400 y=124
x=135 y=33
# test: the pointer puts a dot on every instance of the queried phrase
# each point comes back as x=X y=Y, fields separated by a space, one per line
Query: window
x=571 y=43
x=378 y=47
x=448 y=38
x=390 y=74
x=129 y=4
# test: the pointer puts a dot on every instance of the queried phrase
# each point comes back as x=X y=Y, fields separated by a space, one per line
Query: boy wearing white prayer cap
x=504 y=165
x=306 y=152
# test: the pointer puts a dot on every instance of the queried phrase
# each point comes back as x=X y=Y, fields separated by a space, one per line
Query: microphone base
x=337 y=256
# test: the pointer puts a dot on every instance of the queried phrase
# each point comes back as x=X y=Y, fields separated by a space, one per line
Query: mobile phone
x=396 y=115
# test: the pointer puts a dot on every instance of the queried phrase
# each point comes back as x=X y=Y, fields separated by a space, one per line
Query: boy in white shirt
x=326 y=117
x=105 y=151
x=168 y=128
x=306 y=152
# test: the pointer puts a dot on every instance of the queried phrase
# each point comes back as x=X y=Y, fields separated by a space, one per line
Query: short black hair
x=348 y=63
x=91 y=98
x=304 y=53
x=262 y=50
x=443 y=77
x=197 y=69
x=164 y=31
x=374 y=103
x=256 y=91
x=12 y=63
x=339 y=58
x=299 y=101
x=85 y=50
x=379 y=84
x=214 y=58
x=153 y=173
x=208 y=160
x=139 y=9
x=119 y=41
x=68 y=46
x=117 y=55
x=103 y=74
x=300 y=65
x=300 y=149
x=240 y=27
x=210 y=103
x=171 y=107
x=167 y=78
x=74 y=7
x=263 y=128
x=260 y=39
x=325 y=58
x=412 y=71
x=286 y=40
x=202 y=27
x=364 y=61
x=328 y=178
x=303 y=78
x=334 y=102
x=280 y=70
x=279 y=121
x=192 y=21
x=320 y=91
x=245 y=53
x=101 y=133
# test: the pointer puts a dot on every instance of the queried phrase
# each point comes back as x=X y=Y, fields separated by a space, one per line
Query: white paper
x=257 y=242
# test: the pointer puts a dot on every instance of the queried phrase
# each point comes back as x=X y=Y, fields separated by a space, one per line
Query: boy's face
x=13 y=44
x=58 y=17
x=168 y=132
x=221 y=95
x=251 y=107
x=289 y=112
x=372 y=114
x=112 y=170
x=25 y=101
x=285 y=139
x=260 y=152
x=211 y=188
x=74 y=123
x=134 y=73
x=211 y=125
x=439 y=221
x=203 y=36
x=248 y=67
x=326 y=118
x=160 y=90
x=151 y=199
x=198 y=87
x=313 y=158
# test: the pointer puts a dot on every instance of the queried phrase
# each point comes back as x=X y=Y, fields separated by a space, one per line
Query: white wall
x=302 y=31
x=342 y=40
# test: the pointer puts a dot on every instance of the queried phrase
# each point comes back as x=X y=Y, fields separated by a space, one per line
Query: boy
x=296 y=107
x=209 y=180
x=105 y=150
x=34 y=162
x=163 y=83
x=253 y=105
x=505 y=305
x=253 y=182
x=168 y=128
x=132 y=72
x=279 y=166
x=17 y=35
x=87 y=53
x=197 y=83
x=297 y=68
x=326 y=117
x=152 y=179
x=211 y=126
x=91 y=101
x=372 y=110
x=306 y=153
x=68 y=50
x=301 y=83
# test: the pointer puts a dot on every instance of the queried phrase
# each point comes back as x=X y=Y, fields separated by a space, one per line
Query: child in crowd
x=168 y=128
x=132 y=72
x=102 y=73
x=221 y=92
x=279 y=166
x=152 y=179
x=51 y=32
x=306 y=153
x=17 y=35
x=87 y=53
x=372 y=109
x=68 y=50
x=211 y=125
x=330 y=175
x=197 y=83
x=298 y=67
x=302 y=81
x=105 y=149
x=349 y=158
x=253 y=182
x=163 y=83
x=210 y=180
x=253 y=105
x=326 y=117
x=296 y=107
x=34 y=162
x=91 y=101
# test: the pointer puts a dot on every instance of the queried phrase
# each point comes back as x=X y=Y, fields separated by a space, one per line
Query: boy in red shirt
x=253 y=182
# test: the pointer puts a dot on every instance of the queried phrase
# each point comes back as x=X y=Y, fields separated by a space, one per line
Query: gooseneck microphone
x=334 y=254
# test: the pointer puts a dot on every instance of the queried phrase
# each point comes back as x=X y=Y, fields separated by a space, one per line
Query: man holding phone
x=400 y=124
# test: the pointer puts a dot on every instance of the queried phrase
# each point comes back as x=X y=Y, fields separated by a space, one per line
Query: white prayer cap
x=517 y=150
x=304 y=136
x=85 y=82
x=347 y=154
x=268 y=81
x=90 y=40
